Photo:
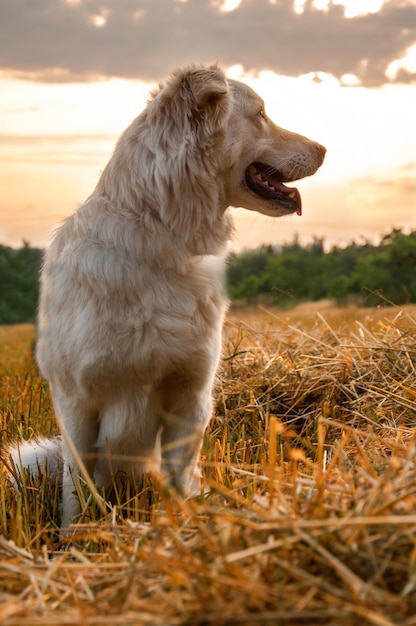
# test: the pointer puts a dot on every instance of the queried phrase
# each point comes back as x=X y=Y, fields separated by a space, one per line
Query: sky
x=74 y=73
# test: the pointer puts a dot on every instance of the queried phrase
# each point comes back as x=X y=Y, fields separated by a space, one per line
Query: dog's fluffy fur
x=132 y=298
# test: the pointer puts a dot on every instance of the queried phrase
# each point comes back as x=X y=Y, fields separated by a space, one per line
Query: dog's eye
x=262 y=114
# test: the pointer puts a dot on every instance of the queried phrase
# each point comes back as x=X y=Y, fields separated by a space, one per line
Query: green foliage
x=363 y=272
x=19 y=283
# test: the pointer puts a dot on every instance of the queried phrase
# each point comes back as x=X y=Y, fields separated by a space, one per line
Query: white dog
x=132 y=297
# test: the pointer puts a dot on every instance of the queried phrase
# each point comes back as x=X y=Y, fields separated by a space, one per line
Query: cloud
x=77 y=40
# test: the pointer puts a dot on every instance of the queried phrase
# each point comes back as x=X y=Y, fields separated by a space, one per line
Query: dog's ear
x=210 y=96
x=208 y=86
x=195 y=95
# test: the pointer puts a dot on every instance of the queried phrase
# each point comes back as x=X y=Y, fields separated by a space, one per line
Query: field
x=311 y=517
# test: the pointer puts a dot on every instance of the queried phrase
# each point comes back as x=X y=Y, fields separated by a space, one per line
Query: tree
x=19 y=283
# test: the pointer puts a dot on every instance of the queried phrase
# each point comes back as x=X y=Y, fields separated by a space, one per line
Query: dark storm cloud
x=56 y=40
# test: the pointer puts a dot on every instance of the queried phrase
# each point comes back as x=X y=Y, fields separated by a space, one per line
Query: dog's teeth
x=292 y=194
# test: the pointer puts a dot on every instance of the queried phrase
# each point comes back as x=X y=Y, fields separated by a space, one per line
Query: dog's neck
x=187 y=226
x=151 y=239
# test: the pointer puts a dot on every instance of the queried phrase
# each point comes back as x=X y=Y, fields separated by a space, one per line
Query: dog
x=132 y=295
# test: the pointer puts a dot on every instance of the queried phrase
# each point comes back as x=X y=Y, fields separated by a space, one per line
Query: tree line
x=361 y=272
x=366 y=273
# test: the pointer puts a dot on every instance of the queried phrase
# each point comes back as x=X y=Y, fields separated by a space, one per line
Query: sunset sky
x=74 y=73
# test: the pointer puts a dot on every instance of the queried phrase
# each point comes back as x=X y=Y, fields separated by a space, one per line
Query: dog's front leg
x=71 y=483
x=79 y=435
x=70 y=486
x=182 y=436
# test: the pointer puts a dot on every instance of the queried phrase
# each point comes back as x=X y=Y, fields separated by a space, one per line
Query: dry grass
x=312 y=514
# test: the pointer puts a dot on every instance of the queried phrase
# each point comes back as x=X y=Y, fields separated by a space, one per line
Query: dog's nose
x=321 y=150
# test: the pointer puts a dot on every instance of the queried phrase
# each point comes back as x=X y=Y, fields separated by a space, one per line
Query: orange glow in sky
x=56 y=137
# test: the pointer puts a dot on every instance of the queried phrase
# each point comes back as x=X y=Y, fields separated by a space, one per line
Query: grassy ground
x=311 y=517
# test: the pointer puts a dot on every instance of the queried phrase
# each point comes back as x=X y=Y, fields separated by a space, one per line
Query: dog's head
x=213 y=136
x=263 y=157
x=252 y=158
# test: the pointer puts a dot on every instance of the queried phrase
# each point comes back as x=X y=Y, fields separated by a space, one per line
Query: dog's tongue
x=290 y=191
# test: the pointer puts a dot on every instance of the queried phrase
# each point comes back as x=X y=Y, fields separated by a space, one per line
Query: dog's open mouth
x=267 y=182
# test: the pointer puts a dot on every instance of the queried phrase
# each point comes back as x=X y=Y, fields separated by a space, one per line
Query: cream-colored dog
x=132 y=296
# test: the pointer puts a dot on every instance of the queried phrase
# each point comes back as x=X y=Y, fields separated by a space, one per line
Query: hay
x=311 y=517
